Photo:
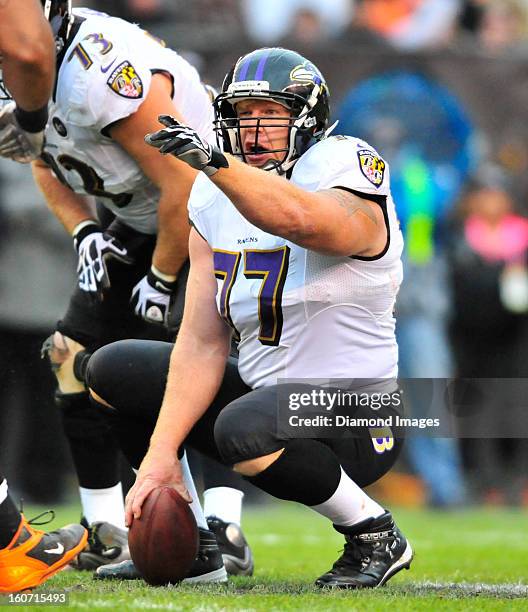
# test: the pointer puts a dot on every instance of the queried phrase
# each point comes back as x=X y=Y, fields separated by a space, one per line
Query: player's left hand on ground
x=157 y=469
x=186 y=144
x=151 y=298
x=16 y=143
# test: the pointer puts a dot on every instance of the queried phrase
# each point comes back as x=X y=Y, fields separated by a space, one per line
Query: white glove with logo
x=95 y=248
x=15 y=142
x=186 y=144
x=151 y=298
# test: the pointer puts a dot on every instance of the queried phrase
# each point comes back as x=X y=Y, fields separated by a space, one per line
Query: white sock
x=104 y=505
x=196 y=506
x=225 y=503
x=349 y=504
x=3 y=491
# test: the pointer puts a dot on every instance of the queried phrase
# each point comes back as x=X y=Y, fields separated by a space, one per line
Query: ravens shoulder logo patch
x=125 y=81
x=372 y=166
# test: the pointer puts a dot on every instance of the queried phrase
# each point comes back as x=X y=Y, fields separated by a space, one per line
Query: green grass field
x=468 y=560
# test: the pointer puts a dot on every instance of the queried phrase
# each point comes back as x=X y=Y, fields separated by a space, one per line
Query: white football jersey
x=105 y=76
x=300 y=314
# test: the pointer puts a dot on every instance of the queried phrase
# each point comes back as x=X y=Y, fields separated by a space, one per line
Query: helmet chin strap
x=292 y=156
x=331 y=129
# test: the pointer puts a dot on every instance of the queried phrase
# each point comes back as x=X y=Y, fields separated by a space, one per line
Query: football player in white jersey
x=296 y=252
x=112 y=81
x=28 y=68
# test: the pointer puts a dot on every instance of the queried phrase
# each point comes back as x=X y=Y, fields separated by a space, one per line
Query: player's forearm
x=69 y=207
x=195 y=375
x=172 y=242
x=17 y=73
x=268 y=201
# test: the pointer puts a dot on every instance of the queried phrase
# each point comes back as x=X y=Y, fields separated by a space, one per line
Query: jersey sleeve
x=113 y=80
x=347 y=162
x=200 y=199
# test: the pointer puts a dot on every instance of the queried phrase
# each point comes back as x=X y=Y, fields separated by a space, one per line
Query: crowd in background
x=464 y=302
x=493 y=26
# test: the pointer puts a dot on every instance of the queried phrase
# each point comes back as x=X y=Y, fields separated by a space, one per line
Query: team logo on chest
x=372 y=166
x=125 y=81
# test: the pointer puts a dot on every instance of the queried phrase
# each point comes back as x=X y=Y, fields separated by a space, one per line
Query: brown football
x=163 y=542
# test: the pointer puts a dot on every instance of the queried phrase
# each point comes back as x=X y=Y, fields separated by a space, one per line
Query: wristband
x=83 y=229
x=159 y=283
x=168 y=278
x=32 y=121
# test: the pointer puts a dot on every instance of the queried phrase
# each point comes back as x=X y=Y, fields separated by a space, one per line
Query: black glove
x=186 y=144
x=95 y=248
x=151 y=298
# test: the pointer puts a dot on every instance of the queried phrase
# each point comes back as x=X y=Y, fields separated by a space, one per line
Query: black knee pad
x=80 y=363
x=98 y=371
x=131 y=375
x=81 y=418
x=307 y=472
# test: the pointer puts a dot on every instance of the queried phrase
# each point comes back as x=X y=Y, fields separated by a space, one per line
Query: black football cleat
x=208 y=566
x=106 y=544
x=236 y=553
x=375 y=550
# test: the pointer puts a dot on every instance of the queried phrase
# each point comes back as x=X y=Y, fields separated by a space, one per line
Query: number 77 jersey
x=297 y=313
x=104 y=75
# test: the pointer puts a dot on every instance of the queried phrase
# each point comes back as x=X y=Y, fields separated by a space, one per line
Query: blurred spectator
x=358 y=33
x=425 y=134
x=270 y=20
x=470 y=15
x=38 y=271
x=411 y=24
x=307 y=30
x=489 y=327
x=142 y=11
x=504 y=27
x=196 y=25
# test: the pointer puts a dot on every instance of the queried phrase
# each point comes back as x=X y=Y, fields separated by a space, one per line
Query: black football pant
x=241 y=423
x=94 y=323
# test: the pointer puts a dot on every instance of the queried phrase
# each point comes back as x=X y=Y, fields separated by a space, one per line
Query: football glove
x=151 y=298
x=16 y=143
x=186 y=144
x=95 y=248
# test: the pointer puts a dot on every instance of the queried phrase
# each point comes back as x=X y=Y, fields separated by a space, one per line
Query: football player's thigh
x=130 y=375
x=248 y=427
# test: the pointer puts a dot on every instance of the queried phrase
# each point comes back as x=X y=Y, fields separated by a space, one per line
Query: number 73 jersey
x=295 y=312
x=104 y=76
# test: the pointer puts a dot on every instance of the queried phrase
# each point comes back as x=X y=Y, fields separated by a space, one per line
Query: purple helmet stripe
x=261 y=64
x=243 y=72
